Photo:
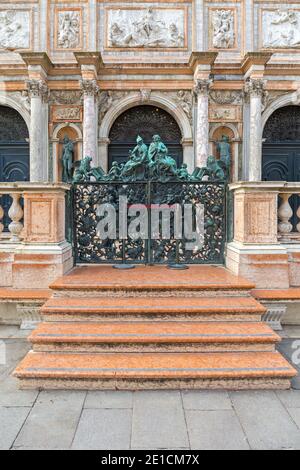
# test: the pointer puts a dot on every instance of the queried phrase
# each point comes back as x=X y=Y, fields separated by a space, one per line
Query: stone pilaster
x=90 y=91
x=201 y=89
x=255 y=88
x=39 y=93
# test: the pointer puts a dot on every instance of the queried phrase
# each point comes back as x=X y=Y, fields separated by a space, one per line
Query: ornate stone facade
x=68 y=34
x=223 y=29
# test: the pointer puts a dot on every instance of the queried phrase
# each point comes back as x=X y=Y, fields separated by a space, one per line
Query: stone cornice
x=37 y=59
x=255 y=58
x=89 y=58
x=202 y=58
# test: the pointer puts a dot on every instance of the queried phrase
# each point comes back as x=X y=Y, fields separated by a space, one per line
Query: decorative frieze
x=15 y=29
x=146 y=27
x=66 y=113
x=67 y=97
x=68 y=31
x=226 y=97
x=222 y=24
x=280 y=28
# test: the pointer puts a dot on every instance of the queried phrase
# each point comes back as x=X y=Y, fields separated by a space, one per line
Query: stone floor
x=143 y=420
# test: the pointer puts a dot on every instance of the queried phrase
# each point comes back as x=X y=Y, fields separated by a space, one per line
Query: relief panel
x=222 y=28
x=15 y=29
x=66 y=113
x=68 y=29
x=146 y=28
x=279 y=28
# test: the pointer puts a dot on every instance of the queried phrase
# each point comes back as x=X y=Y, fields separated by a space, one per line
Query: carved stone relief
x=68 y=34
x=281 y=29
x=66 y=97
x=67 y=114
x=223 y=114
x=108 y=99
x=23 y=98
x=15 y=29
x=146 y=28
x=223 y=29
x=225 y=97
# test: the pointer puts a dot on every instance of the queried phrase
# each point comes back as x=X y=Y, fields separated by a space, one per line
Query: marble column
x=202 y=136
x=90 y=119
x=256 y=92
x=39 y=93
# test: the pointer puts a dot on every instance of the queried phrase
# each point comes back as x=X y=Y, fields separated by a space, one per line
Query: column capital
x=89 y=87
x=255 y=87
x=202 y=86
x=38 y=88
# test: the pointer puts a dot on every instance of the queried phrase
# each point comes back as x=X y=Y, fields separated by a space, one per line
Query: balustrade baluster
x=298 y=215
x=15 y=213
x=1 y=216
x=285 y=213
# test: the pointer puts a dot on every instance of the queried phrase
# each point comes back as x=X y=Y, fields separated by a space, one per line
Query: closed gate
x=176 y=222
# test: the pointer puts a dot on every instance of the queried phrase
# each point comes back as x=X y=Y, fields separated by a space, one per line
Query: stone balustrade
x=36 y=212
x=266 y=212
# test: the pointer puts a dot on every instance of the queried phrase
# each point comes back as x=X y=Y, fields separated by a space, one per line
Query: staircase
x=153 y=328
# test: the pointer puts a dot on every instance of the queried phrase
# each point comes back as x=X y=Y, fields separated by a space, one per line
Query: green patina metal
x=154 y=164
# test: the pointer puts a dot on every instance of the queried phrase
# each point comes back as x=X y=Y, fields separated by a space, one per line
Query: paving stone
x=7 y=331
x=292 y=331
x=52 y=421
x=215 y=430
x=289 y=398
x=10 y=395
x=103 y=429
x=16 y=349
x=109 y=399
x=201 y=400
x=295 y=414
x=11 y=420
x=158 y=421
x=266 y=422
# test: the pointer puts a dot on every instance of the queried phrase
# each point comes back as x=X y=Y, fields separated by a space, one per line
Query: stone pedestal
x=90 y=119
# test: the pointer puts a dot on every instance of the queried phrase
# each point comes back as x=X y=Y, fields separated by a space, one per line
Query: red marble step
x=147 y=278
x=209 y=308
x=157 y=335
x=154 y=370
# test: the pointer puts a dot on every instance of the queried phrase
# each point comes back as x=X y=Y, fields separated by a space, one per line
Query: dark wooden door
x=145 y=121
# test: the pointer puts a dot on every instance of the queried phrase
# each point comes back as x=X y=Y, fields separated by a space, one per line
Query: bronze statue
x=67 y=159
x=224 y=150
x=212 y=170
x=135 y=167
x=84 y=172
x=154 y=164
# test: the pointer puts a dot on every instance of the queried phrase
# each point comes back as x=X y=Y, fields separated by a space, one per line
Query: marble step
x=152 y=308
x=136 y=371
x=101 y=280
x=153 y=337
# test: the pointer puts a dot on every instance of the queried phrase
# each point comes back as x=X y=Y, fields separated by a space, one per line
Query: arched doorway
x=14 y=152
x=145 y=121
x=281 y=149
x=14 y=146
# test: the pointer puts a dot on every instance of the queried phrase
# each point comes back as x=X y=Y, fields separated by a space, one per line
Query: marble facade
x=217 y=66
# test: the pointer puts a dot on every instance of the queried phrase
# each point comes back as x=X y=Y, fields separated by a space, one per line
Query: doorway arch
x=14 y=146
x=146 y=121
x=281 y=145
